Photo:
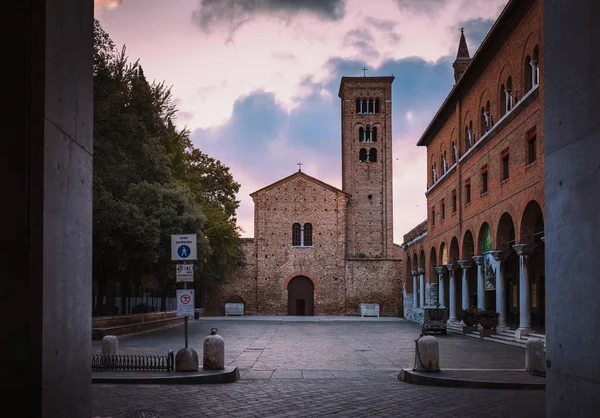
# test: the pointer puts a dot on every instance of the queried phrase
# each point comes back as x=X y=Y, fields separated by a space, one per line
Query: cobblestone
x=320 y=368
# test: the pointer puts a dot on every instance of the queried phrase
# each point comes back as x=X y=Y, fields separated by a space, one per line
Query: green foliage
x=150 y=182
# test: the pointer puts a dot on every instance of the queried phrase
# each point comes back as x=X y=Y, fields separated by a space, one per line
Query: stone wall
x=374 y=281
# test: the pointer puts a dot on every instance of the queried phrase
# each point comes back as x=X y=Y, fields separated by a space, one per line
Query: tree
x=150 y=182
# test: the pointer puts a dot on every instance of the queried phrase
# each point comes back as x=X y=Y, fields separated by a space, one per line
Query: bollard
x=535 y=356
x=110 y=344
x=186 y=360
x=427 y=354
x=214 y=351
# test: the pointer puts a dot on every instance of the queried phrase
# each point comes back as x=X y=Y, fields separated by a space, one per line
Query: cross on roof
x=364 y=70
x=299 y=164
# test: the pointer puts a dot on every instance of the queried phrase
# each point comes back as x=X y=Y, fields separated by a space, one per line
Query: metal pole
x=186 y=318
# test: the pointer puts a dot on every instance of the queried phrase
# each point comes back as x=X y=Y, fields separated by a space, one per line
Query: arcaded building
x=482 y=244
x=320 y=250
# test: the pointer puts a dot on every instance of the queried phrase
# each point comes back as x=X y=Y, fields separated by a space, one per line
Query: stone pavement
x=319 y=366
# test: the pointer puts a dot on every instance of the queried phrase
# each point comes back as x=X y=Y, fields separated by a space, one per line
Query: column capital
x=478 y=259
x=414 y=272
x=499 y=255
x=524 y=249
x=451 y=267
x=421 y=270
x=465 y=264
x=440 y=269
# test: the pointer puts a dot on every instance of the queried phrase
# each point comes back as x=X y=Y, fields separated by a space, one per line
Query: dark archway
x=301 y=296
x=532 y=232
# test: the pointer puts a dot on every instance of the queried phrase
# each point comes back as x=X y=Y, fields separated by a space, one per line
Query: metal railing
x=134 y=362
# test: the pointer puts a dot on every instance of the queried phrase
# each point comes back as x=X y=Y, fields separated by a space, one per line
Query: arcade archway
x=301 y=296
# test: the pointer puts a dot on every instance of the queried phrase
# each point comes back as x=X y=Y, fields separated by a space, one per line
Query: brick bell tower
x=367 y=165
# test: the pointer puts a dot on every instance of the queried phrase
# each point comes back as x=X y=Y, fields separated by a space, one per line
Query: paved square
x=318 y=366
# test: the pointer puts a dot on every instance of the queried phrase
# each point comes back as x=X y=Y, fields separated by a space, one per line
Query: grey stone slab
x=287 y=374
x=317 y=374
x=258 y=374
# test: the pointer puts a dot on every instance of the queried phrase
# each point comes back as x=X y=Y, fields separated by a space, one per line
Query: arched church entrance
x=301 y=296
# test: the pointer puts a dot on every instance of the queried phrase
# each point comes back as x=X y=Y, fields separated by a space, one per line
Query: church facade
x=320 y=250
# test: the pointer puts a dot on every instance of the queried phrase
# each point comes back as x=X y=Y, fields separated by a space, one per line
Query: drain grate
x=141 y=414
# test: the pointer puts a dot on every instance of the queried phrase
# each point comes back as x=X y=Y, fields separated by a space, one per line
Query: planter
x=470 y=320
x=489 y=321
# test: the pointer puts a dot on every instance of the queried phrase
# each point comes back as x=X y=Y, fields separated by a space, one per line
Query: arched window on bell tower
x=377 y=105
x=361 y=134
x=373 y=155
x=374 y=134
x=358 y=106
x=362 y=155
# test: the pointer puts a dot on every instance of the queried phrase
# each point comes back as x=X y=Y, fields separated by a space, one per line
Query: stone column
x=415 y=289
x=524 y=291
x=441 y=287
x=534 y=70
x=465 y=265
x=480 y=285
x=571 y=149
x=46 y=211
x=421 y=287
x=500 y=257
x=452 y=290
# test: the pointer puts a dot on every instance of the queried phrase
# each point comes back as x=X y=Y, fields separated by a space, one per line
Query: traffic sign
x=185 y=272
x=183 y=247
x=185 y=302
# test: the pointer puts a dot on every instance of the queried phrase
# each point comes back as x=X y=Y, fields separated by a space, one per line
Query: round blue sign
x=183 y=251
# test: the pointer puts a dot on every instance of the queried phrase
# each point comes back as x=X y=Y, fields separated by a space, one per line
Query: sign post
x=183 y=248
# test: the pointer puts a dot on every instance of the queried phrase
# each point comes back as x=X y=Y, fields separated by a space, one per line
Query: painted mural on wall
x=489 y=272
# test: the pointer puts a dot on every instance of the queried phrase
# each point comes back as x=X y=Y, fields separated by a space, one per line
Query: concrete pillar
x=480 y=284
x=452 y=292
x=500 y=258
x=415 y=289
x=524 y=290
x=465 y=265
x=441 y=270
x=46 y=211
x=421 y=287
x=571 y=148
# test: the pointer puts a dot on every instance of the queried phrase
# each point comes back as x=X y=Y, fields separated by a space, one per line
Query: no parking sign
x=185 y=302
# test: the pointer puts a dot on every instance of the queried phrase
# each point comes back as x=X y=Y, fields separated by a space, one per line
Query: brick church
x=319 y=250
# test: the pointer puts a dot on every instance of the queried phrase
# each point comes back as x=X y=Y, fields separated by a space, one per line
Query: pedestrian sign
x=185 y=302
x=183 y=247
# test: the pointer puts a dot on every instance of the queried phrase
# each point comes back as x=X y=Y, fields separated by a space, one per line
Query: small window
x=443 y=211
x=361 y=134
x=528 y=74
x=468 y=191
x=454 y=153
x=505 y=165
x=357 y=105
x=531 y=152
x=362 y=155
x=376 y=105
x=484 y=180
x=433 y=216
x=372 y=155
x=368 y=134
x=364 y=106
x=371 y=106
x=296 y=235
x=374 y=134
x=307 y=235
x=454 y=201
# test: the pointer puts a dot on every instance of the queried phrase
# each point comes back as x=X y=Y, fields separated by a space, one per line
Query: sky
x=256 y=81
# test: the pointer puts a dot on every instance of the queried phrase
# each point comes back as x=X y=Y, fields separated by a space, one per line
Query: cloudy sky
x=256 y=81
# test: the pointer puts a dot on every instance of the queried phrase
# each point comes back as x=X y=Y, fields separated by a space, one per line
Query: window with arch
x=488 y=116
x=362 y=155
x=527 y=74
x=306 y=235
x=502 y=101
x=535 y=67
x=358 y=106
x=364 y=106
x=302 y=236
x=371 y=106
x=374 y=134
x=508 y=94
x=372 y=156
x=434 y=174
x=296 y=239
x=368 y=105
x=361 y=134
x=368 y=134
x=377 y=101
x=454 y=153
